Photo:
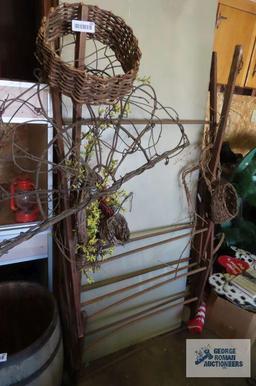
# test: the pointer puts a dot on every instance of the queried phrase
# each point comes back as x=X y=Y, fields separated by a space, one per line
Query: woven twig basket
x=224 y=205
x=81 y=86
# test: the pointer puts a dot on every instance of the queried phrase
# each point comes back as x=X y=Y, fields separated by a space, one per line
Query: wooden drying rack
x=68 y=277
x=202 y=260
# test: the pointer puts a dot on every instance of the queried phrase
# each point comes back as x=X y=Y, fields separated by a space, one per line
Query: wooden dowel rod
x=171 y=299
x=131 y=286
x=214 y=162
x=213 y=98
x=116 y=279
x=80 y=48
x=159 y=232
x=138 y=121
x=209 y=255
x=142 y=292
x=71 y=275
x=208 y=236
x=96 y=341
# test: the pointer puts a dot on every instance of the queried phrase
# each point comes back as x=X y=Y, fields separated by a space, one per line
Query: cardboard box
x=227 y=320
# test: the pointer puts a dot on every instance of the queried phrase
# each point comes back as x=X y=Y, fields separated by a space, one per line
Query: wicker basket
x=80 y=85
x=224 y=205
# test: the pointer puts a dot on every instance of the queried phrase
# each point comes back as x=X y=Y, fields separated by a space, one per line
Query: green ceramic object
x=244 y=178
x=240 y=233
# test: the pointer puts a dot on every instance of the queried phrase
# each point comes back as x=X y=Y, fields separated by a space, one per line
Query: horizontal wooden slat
x=142 y=292
x=160 y=302
x=149 y=246
x=138 y=284
x=136 y=236
x=137 y=121
x=130 y=275
x=144 y=316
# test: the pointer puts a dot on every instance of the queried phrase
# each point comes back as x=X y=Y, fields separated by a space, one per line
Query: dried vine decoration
x=111 y=143
x=113 y=149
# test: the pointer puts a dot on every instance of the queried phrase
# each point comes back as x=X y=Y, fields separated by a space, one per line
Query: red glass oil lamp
x=23 y=201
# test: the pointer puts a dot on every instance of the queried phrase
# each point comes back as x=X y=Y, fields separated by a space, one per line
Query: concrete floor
x=159 y=361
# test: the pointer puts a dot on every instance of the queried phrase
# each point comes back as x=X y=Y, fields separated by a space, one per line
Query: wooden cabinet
x=236 y=24
x=251 y=76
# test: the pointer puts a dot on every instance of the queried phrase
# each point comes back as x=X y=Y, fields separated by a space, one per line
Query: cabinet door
x=233 y=27
x=251 y=76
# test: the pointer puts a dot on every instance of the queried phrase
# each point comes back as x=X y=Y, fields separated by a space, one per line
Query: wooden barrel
x=30 y=334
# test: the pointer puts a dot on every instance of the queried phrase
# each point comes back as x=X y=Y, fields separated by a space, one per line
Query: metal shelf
x=6 y=261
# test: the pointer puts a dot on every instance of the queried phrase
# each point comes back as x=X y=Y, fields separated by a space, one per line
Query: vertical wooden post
x=80 y=49
x=213 y=98
x=67 y=285
x=237 y=58
x=206 y=242
x=71 y=309
x=79 y=62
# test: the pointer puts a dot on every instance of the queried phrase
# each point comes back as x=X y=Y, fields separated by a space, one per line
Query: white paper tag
x=83 y=26
x=3 y=357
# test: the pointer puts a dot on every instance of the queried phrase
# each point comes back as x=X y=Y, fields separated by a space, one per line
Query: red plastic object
x=233 y=265
x=22 y=203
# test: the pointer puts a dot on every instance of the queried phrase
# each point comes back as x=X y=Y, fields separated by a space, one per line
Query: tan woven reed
x=80 y=85
x=224 y=205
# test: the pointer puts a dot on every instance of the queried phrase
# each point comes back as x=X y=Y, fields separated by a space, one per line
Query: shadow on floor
x=160 y=361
